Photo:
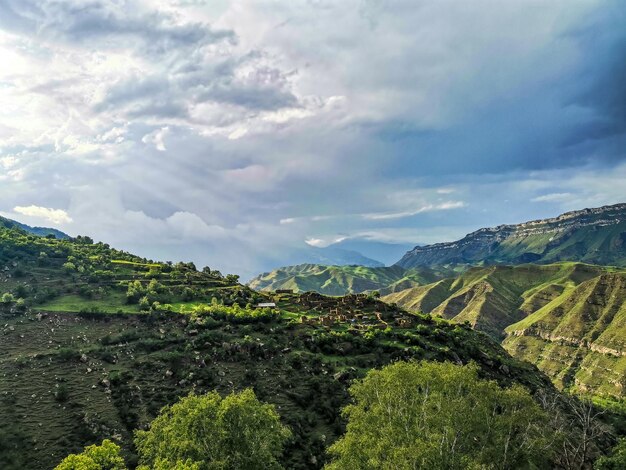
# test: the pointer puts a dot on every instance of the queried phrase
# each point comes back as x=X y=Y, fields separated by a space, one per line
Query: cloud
x=553 y=197
x=109 y=24
x=156 y=138
x=316 y=242
x=229 y=132
x=443 y=206
x=55 y=216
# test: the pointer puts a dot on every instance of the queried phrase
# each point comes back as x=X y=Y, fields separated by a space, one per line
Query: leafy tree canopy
x=103 y=457
x=210 y=432
x=440 y=415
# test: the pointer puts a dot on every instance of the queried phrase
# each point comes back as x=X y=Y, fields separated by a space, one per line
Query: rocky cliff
x=595 y=236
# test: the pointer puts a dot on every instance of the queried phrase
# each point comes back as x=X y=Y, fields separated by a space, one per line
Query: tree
x=69 y=267
x=144 y=303
x=615 y=461
x=203 y=432
x=103 y=457
x=439 y=415
x=580 y=427
x=232 y=278
x=7 y=298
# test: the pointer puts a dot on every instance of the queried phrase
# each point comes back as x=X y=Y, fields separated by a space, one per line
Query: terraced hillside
x=596 y=236
x=342 y=280
x=567 y=318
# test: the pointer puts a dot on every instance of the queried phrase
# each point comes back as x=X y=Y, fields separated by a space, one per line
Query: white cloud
x=56 y=216
x=553 y=197
x=157 y=138
x=316 y=242
x=443 y=206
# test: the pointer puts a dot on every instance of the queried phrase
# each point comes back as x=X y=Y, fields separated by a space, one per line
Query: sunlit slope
x=579 y=339
x=567 y=318
x=491 y=298
x=73 y=275
x=596 y=236
x=341 y=280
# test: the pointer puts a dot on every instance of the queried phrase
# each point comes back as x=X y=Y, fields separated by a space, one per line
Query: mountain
x=342 y=280
x=39 y=231
x=579 y=338
x=95 y=341
x=567 y=318
x=330 y=255
x=596 y=236
x=387 y=253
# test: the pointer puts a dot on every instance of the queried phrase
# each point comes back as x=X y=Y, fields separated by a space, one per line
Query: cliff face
x=590 y=235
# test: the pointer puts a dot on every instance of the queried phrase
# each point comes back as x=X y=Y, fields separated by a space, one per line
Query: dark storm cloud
x=229 y=132
x=105 y=24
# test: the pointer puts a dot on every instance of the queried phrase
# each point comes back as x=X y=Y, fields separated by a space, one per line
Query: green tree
x=103 y=457
x=144 y=303
x=7 y=298
x=69 y=267
x=206 y=432
x=439 y=415
x=615 y=461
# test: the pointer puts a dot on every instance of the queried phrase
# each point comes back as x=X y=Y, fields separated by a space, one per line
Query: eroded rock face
x=543 y=240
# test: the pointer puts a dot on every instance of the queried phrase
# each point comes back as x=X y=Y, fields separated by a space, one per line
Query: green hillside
x=94 y=341
x=74 y=275
x=341 y=280
x=579 y=338
x=567 y=318
x=596 y=236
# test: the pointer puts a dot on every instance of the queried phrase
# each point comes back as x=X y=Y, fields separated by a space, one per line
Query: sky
x=229 y=132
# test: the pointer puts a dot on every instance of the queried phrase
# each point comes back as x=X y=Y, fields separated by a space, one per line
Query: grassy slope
x=73 y=371
x=341 y=280
x=70 y=276
x=580 y=337
x=303 y=369
x=568 y=318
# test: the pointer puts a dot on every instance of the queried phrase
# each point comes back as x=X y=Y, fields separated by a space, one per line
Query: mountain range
x=552 y=291
x=596 y=236
x=341 y=280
